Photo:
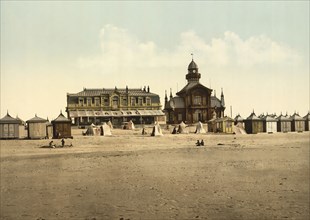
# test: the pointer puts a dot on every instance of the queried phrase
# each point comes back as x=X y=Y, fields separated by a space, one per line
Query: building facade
x=194 y=102
x=115 y=105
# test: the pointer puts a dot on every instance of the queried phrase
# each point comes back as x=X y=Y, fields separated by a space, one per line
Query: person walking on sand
x=62 y=142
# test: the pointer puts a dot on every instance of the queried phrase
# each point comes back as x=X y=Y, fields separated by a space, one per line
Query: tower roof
x=192 y=65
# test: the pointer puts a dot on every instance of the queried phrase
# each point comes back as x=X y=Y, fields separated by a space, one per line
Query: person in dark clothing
x=197 y=143
x=62 y=142
x=202 y=143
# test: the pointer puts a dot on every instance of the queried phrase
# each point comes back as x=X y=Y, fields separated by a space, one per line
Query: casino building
x=117 y=105
x=194 y=102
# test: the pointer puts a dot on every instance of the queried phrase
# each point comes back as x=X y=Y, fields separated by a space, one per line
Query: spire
x=170 y=93
x=214 y=93
x=148 y=89
x=222 y=99
x=192 y=56
x=193 y=75
x=166 y=98
x=126 y=89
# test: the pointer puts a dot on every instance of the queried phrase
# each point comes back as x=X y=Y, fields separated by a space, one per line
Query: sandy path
x=130 y=176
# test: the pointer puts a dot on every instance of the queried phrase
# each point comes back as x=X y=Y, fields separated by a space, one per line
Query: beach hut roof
x=61 y=118
x=253 y=117
x=307 y=116
x=283 y=118
x=269 y=118
x=238 y=118
x=296 y=117
x=36 y=119
x=21 y=122
x=8 y=119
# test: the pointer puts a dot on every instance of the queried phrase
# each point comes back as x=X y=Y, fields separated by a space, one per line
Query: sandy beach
x=131 y=176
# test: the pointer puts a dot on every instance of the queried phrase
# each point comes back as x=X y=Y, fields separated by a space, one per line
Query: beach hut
x=156 y=131
x=269 y=124
x=284 y=124
x=200 y=129
x=92 y=130
x=253 y=124
x=225 y=124
x=239 y=120
x=9 y=127
x=307 y=121
x=105 y=130
x=298 y=123
x=212 y=125
x=37 y=128
x=61 y=127
x=110 y=124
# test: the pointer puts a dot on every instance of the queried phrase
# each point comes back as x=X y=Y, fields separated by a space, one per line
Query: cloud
x=227 y=61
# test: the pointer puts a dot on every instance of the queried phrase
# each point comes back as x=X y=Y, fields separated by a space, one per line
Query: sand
x=130 y=176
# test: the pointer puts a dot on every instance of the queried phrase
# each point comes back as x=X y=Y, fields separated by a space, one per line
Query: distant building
x=284 y=124
x=61 y=127
x=37 y=128
x=9 y=127
x=194 y=102
x=269 y=124
x=117 y=105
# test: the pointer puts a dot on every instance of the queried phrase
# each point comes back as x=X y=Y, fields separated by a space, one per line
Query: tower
x=193 y=75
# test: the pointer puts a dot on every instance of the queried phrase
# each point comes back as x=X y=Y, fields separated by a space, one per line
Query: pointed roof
x=283 y=118
x=192 y=65
x=8 y=119
x=36 y=119
x=238 y=118
x=192 y=85
x=61 y=118
x=307 y=116
x=253 y=117
x=296 y=117
x=21 y=122
x=269 y=118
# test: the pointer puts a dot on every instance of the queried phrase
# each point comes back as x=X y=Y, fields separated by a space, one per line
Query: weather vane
x=192 y=56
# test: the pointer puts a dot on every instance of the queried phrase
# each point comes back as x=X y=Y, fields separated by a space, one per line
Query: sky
x=257 y=51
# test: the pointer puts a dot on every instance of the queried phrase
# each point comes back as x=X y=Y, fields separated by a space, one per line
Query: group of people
x=202 y=143
x=52 y=145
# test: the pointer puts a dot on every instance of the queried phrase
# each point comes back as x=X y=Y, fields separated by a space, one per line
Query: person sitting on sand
x=197 y=143
x=202 y=143
x=51 y=144
x=62 y=142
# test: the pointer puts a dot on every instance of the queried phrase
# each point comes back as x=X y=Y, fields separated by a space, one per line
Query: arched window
x=115 y=102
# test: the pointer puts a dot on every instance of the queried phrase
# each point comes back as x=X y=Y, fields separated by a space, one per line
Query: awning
x=126 y=113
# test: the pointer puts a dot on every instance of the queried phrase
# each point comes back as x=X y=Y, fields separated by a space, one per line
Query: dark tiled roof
x=192 y=65
x=178 y=102
x=283 y=118
x=269 y=118
x=191 y=85
x=252 y=117
x=9 y=120
x=307 y=116
x=238 y=118
x=36 y=119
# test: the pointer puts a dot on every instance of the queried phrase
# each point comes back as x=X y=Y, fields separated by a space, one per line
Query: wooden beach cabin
x=37 y=128
x=61 y=127
x=307 y=121
x=253 y=124
x=225 y=124
x=284 y=124
x=298 y=123
x=9 y=127
x=269 y=124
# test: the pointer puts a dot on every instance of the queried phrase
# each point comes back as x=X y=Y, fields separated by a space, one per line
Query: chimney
x=148 y=89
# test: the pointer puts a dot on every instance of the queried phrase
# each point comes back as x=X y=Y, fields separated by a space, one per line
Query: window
x=115 y=102
x=148 y=101
x=133 y=101
x=197 y=100
x=81 y=101
x=140 y=101
x=97 y=102
x=88 y=101
x=124 y=101
x=106 y=101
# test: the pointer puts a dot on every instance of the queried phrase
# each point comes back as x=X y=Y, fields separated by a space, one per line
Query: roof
x=283 y=118
x=238 y=118
x=36 y=119
x=215 y=102
x=226 y=118
x=178 y=102
x=191 y=85
x=307 y=116
x=91 y=113
x=103 y=91
x=21 y=122
x=269 y=118
x=253 y=117
x=296 y=117
x=61 y=118
x=8 y=119
x=192 y=65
